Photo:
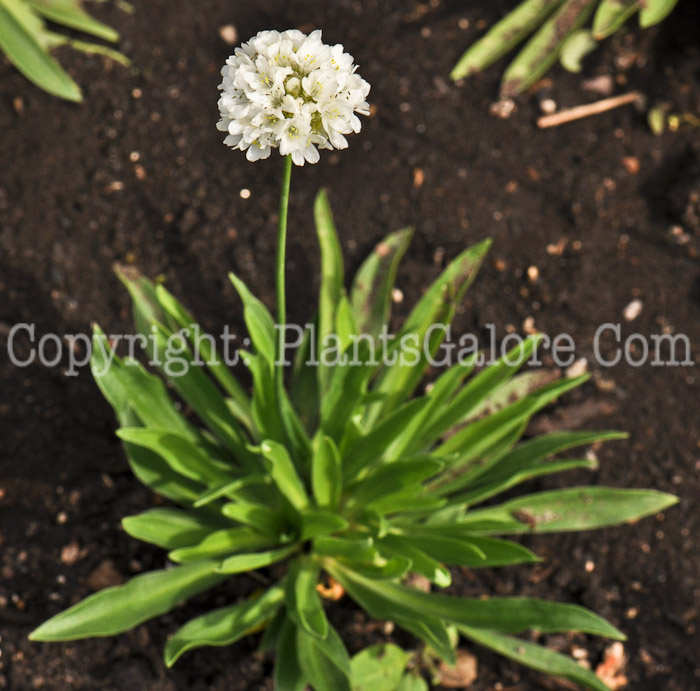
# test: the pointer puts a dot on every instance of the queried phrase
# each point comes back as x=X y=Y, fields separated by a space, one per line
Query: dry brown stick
x=570 y=114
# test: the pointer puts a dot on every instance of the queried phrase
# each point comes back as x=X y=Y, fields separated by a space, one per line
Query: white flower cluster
x=290 y=91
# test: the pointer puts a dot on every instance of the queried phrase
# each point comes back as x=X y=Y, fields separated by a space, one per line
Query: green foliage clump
x=558 y=28
x=27 y=40
x=353 y=479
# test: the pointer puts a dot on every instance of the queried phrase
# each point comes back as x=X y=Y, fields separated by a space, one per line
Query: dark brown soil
x=139 y=174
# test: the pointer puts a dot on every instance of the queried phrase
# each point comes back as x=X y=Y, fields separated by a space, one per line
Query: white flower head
x=291 y=92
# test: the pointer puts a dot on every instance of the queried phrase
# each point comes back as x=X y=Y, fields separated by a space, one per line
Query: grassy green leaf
x=536 y=657
x=303 y=602
x=543 y=49
x=284 y=474
x=204 y=346
x=378 y=668
x=71 y=14
x=221 y=543
x=372 y=286
x=231 y=489
x=611 y=15
x=508 y=615
x=21 y=41
x=412 y=682
x=345 y=323
x=391 y=568
x=316 y=523
x=261 y=325
x=326 y=473
x=358 y=548
x=655 y=11
x=528 y=460
x=437 y=307
x=258 y=516
x=224 y=626
x=127 y=385
x=324 y=662
x=421 y=562
x=196 y=388
x=470 y=550
x=181 y=454
x=504 y=36
x=120 y=608
x=392 y=478
x=576 y=508
x=347 y=389
x=475 y=440
x=170 y=528
x=241 y=563
x=579 y=44
x=332 y=277
x=422 y=624
x=370 y=449
x=473 y=396
x=288 y=674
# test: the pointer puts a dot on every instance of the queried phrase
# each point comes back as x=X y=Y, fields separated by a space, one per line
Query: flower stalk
x=281 y=265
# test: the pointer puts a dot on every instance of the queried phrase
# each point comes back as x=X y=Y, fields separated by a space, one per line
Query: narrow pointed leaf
x=577 y=508
x=421 y=562
x=303 y=603
x=536 y=657
x=169 y=528
x=21 y=41
x=504 y=36
x=332 y=276
x=288 y=674
x=69 y=13
x=374 y=282
x=326 y=473
x=324 y=662
x=179 y=453
x=655 y=11
x=437 y=307
x=221 y=543
x=223 y=626
x=249 y=562
x=509 y=615
x=316 y=523
x=543 y=49
x=284 y=474
x=611 y=15
x=258 y=516
x=470 y=550
x=117 y=609
x=370 y=449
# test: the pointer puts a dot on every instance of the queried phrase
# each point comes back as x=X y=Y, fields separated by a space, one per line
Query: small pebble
x=228 y=34
x=502 y=109
x=633 y=310
x=632 y=164
x=418 y=177
x=603 y=85
x=548 y=106
x=70 y=554
x=579 y=368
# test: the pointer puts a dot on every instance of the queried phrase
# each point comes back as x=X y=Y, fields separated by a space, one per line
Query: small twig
x=570 y=114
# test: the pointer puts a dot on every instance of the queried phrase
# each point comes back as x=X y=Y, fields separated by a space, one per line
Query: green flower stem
x=281 y=265
x=282 y=247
